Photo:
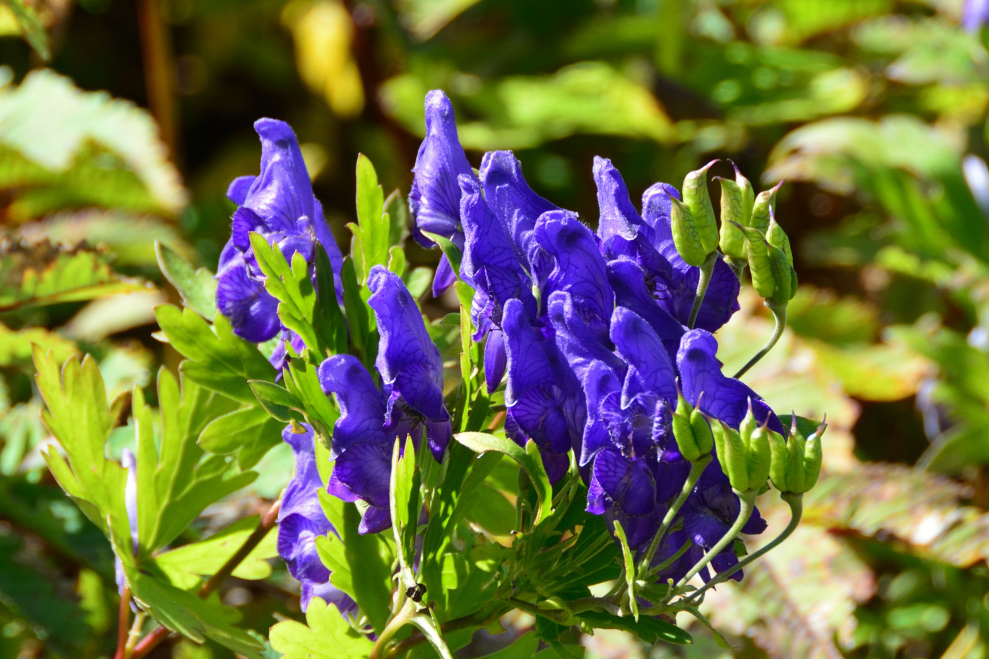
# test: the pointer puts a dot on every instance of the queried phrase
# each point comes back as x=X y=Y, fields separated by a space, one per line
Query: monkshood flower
x=410 y=402
x=492 y=266
x=279 y=204
x=543 y=398
x=301 y=521
x=510 y=197
x=434 y=199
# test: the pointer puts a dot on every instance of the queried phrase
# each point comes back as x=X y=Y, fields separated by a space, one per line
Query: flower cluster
x=278 y=204
x=596 y=336
x=591 y=330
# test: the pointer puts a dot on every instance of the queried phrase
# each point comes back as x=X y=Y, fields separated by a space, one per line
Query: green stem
x=737 y=266
x=417 y=638
x=696 y=469
x=746 y=506
x=399 y=620
x=707 y=269
x=779 y=313
x=795 y=501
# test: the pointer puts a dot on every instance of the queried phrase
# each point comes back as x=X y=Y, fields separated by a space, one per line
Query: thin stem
x=737 y=266
x=123 y=617
x=707 y=269
x=696 y=469
x=779 y=313
x=252 y=541
x=151 y=641
x=418 y=638
x=134 y=635
x=796 y=503
x=158 y=68
x=746 y=505
x=399 y=620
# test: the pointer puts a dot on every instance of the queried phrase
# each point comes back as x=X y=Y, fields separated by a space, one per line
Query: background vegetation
x=122 y=123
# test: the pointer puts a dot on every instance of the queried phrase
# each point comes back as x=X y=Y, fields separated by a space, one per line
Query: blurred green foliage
x=873 y=110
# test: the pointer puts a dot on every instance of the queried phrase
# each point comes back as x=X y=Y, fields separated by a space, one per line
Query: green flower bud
x=731 y=455
x=776 y=237
x=691 y=431
x=760 y=209
x=685 y=235
x=698 y=200
x=736 y=206
x=795 y=461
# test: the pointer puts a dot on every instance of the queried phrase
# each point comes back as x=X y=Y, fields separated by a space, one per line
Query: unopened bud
x=737 y=198
x=698 y=200
x=784 y=276
x=760 y=209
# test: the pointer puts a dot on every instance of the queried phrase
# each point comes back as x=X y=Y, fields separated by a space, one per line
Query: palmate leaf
x=217 y=358
x=47 y=274
x=175 y=482
x=15 y=347
x=797 y=598
x=85 y=149
x=325 y=636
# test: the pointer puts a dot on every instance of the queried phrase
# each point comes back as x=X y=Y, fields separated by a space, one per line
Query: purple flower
x=362 y=446
x=409 y=363
x=491 y=265
x=434 y=199
x=543 y=399
x=511 y=198
x=279 y=204
x=723 y=398
x=301 y=521
x=564 y=258
x=975 y=15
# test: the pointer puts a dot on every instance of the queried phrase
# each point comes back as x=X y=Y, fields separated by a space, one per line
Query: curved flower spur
x=588 y=357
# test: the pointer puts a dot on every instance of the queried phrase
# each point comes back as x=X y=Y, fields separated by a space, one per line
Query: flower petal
x=510 y=197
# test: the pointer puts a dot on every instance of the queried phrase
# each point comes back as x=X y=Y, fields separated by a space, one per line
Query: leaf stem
x=746 y=506
x=779 y=314
x=151 y=641
x=707 y=269
x=795 y=501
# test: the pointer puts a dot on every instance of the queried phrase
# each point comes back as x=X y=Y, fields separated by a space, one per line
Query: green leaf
x=187 y=566
x=374 y=225
x=184 y=613
x=629 y=559
x=31 y=27
x=85 y=150
x=480 y=442
x=359 y=317
x=292 y=286
x=326 y=635
x=366 y=561
x=302 y=381
x=276 y=400
x=649 y=629
x=197 y=287
x=249 y=432
x=42 y=274
x=403 y=501
x=217 y=359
